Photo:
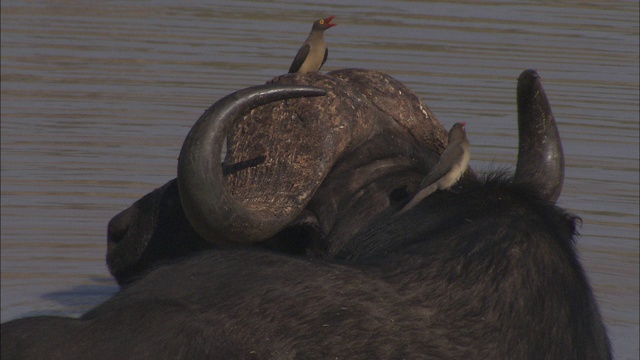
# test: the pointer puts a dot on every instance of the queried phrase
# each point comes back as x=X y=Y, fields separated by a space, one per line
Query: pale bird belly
x=454 y=175
x=451 y=178
x=313 y=61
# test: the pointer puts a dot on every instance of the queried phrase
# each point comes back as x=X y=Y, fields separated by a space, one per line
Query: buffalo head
x=323 y=167
x=370 y=135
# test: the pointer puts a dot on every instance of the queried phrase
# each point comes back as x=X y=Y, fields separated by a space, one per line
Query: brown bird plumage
x=313 y=53
x=452 y=164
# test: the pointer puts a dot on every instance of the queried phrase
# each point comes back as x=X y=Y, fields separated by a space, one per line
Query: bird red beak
x=327 y=21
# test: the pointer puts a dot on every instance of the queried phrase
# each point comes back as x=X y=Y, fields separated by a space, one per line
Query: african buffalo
x=488 y=270
x=328 y=165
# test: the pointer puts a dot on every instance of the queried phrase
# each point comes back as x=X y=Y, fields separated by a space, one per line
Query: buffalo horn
x=212 y=211
x=540 y=156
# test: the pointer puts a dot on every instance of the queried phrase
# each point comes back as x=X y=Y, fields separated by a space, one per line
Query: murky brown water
x=97 y=98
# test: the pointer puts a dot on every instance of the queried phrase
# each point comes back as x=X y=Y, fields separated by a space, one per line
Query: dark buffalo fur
x=155 y=229
x=151 y=231
x=487 y=272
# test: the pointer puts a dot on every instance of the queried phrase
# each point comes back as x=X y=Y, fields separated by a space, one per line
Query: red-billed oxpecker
x=452 y=164
x=313 y=53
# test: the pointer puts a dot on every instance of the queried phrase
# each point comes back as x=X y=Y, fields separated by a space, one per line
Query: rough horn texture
x=540 y=156
x=211 y=210
x=366 y=117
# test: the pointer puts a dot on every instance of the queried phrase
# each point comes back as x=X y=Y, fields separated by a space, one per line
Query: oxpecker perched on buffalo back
x=452 y=164
x=313 y=53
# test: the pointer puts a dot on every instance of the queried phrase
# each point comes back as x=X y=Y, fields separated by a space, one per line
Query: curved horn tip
x=540 y=155
x=284 y=90
x=528 y=74
x=255 y=96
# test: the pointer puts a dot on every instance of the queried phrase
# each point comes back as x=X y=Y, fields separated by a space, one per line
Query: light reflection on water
x=97 y=98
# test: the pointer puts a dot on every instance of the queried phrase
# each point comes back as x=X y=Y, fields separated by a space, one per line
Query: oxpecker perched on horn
x=313 y=53
x=452 y=164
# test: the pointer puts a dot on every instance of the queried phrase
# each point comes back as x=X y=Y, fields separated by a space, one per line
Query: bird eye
x=321 y=22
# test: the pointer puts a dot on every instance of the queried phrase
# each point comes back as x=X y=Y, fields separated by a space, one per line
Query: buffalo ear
x=540 y=155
